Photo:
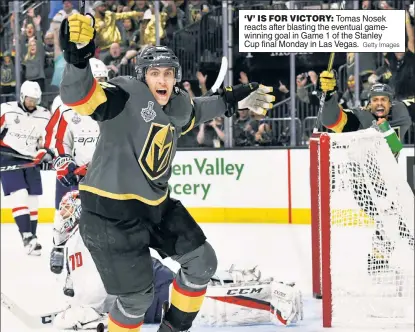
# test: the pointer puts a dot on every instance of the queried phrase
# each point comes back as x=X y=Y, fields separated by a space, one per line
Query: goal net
x=362 y=232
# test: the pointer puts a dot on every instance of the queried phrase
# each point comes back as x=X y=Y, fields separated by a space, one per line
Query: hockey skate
x=31 y=245
x=165 y=326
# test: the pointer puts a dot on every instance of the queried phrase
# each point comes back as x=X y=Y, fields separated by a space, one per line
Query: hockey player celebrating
x=89 y=301
x=382 y=109
x=74 y=138
x=233 y=297
x=22 y=131
x=126 y=207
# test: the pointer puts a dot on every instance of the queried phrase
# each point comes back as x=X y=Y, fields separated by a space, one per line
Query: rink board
x=261 y=186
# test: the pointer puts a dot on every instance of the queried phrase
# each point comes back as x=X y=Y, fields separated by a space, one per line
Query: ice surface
x=279 y=250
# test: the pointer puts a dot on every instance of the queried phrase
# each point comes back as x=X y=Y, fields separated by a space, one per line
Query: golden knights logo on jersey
x=157 y=151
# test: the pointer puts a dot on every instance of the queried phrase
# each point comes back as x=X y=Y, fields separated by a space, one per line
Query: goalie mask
x=68 y=216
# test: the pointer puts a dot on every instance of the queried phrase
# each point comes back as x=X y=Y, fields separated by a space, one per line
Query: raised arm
x=333 y=116
x=82 y=92
x=252 y=96
x=79 y=89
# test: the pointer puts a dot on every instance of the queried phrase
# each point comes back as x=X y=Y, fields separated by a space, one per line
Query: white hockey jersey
x=22 y=131
x=84 y=277
x=72 y=134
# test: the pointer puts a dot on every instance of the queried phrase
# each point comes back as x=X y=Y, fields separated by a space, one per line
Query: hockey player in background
x=233 y=297
x=382 y=107
x=22 y=133
x=126 y=206
x=73 y=137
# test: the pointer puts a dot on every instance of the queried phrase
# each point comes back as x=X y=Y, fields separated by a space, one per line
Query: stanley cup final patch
x=148 y=113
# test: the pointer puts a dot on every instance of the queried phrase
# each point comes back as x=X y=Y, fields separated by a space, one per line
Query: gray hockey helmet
x=157 y=56
x=380 y=89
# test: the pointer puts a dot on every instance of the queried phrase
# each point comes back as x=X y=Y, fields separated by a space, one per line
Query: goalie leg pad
x=286 y=303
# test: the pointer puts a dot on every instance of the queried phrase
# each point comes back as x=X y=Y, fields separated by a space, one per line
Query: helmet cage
x=69 y=213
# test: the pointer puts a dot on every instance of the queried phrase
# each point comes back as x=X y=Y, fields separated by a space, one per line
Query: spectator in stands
x=202 y=82
x=112 y=5
x=106 y=28
x=49 y=48
x=188 y=87
x=117 y=61
x=139 y=6
x=180 y=13
x=30 y=29
x=50 y=90
x=367 y=66
x=196 y=9
x=347 y=100
x=34 y=59
x=58 y=60
x=66 y=11
x=244 y=135
x=8 y=77
x=202 y=85
x=398 y=69
x=148 y=28
x=211 y=134
x=306 y=87
x=172 y=21
x=262 y=129
x=130 y=34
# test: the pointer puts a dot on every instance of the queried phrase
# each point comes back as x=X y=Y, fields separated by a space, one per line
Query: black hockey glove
x=56 y=260
x=234 y=94
x=76 y=37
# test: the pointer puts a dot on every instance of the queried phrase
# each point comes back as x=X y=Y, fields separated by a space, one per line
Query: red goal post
x=356 y=186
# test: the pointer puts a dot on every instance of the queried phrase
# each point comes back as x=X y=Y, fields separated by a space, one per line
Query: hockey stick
x=16 y=155
x=219 y=80
x=31 y=321
x=17 y=167
x=82 y=7
x=323 y=97
x=39 y=321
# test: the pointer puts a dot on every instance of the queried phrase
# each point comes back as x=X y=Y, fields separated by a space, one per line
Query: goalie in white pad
x=241 y=297
x=89 y=302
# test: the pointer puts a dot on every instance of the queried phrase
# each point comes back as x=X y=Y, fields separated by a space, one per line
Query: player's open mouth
x=161 y=92
x=380 y=111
